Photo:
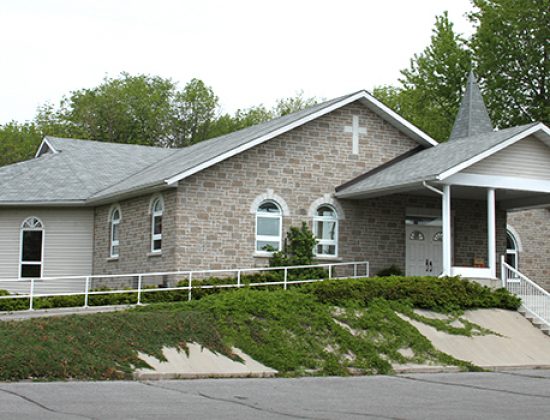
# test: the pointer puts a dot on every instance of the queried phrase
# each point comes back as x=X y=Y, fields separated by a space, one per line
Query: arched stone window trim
x=516 y=236
x=269 y=195
x=328 y=200
x=153 y=200
x=513 y=247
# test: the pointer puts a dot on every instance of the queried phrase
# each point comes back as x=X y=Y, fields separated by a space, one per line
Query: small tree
x=298 y=250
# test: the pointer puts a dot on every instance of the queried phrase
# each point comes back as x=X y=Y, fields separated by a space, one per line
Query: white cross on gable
x=355 y=130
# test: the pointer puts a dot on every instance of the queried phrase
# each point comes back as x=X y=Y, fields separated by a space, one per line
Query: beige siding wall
x=529 y=158
x=68 y=241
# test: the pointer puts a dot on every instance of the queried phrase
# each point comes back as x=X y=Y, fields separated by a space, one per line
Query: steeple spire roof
x=472 y=117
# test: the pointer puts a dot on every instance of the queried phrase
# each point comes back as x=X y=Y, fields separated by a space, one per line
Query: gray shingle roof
x=472 y=117
x=189 y=157
x=92 y=172
x=76 y=172
x=429 y=163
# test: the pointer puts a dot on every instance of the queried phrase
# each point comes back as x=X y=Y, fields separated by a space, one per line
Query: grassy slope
x=292 y=331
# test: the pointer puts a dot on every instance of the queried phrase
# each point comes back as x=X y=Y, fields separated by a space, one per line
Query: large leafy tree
x=509 y=51
x=126 y=109
x=430 y=89
x=511 y=44
x=18 y=141
x=138 y=109
x=195 y=110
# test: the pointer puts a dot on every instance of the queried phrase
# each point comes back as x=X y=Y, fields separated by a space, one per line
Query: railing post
x=86 y=290
x=31 y=296
x=354 y=270
x=140 y=280
x=285 y=278
x=367 y=269
x=330 y=271
x=503 y=272
x=238 y=278
x=190 y=285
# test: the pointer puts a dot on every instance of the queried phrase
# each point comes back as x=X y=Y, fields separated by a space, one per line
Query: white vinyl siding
x=68 y=241
x=528 y=158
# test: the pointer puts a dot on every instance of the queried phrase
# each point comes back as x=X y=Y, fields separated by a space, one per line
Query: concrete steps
x=545 y=328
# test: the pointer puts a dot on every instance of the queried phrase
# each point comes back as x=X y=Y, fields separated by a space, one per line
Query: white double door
x=424 y=250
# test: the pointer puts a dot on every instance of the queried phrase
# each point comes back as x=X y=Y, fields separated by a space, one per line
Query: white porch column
x=491 y=232
x=446 y=220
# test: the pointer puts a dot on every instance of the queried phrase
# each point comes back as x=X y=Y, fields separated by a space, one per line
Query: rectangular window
x=325 y=228
x=268 y=233
x=31 y=253
x=157 y=234
x=114 y=240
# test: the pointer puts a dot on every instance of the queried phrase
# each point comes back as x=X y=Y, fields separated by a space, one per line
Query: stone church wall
x=533 y=234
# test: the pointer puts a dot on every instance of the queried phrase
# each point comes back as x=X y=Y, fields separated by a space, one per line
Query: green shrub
x=445 y=293
x=392 y=270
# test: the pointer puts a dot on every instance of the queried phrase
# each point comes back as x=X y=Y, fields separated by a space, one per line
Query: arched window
x=512 y=248
x=269 y=221
x=325 y=229
x=115 y=232
x=157 y=209
x=416 y=235
x=32 y=247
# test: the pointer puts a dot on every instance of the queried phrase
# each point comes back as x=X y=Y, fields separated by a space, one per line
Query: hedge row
x=447 y=293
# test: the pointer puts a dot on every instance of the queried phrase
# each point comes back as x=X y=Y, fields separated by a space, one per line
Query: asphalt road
x=512 y=395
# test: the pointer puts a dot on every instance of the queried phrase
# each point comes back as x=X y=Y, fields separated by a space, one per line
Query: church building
x=371 y=186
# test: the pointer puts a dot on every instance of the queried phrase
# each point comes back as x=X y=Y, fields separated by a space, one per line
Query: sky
x=249 y=52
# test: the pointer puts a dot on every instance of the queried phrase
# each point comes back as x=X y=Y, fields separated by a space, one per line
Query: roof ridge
x=109 y=143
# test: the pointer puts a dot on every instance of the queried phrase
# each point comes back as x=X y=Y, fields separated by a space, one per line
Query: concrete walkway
x=518 y=345
x=41 y=313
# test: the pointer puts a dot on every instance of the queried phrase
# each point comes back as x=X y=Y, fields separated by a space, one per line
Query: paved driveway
x=513 y=395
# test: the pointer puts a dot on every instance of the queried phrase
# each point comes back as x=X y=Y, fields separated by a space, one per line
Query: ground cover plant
x=335 y=327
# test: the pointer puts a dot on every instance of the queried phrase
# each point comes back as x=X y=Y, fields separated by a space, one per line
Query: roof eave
x=44 y=203
x=129 y=193
x=388 y=190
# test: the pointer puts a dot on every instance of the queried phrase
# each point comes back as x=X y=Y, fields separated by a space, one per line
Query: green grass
x=331 y=328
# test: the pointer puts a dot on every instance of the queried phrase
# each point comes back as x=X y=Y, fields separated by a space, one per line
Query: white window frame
x=36 y=225
x=268 y=238
x=155 y=214
x=335 y=219
x=112 y=223
x=513 y=251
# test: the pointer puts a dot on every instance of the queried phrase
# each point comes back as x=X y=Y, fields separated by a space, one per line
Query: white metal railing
x=141 y=283
x=534 y=299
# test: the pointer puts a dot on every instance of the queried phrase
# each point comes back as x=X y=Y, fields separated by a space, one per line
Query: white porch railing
x=140 y=283
x=535 y=300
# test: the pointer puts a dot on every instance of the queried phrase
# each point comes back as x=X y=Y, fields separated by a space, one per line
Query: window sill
x=328 y=258
x=154 y=254
x=110 y=259
x=260 y=254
